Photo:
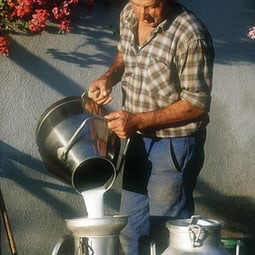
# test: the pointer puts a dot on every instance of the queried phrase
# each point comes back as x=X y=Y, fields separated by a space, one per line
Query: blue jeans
x=158 y=182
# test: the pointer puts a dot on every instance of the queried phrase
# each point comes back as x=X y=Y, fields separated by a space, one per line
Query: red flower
x=61 y=12
x=11 y=3
x=251 y=33
x=23 y=8
x=40 y=2
x=73 y=1
x=37 y=24
x=65 y=25
x=32 y=15
x=4 y=42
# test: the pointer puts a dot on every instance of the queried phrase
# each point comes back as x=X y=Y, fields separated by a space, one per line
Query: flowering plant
x=32 y=15
x=251 y=33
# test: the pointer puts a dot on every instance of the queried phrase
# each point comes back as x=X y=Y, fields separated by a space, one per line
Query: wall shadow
x=12 y=161
x=12 y=165
x=51 y=76
x=225 y=188
x=237 y=212
x=97 y=32
x=229 y=34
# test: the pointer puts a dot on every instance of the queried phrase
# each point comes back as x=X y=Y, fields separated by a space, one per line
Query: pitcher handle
x=63 y=151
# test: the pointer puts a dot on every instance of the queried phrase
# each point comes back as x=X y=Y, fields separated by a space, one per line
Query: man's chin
x=149 y=24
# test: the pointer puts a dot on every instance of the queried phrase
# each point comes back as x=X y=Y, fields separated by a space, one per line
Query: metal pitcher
x=196 y=236
x=76 y=145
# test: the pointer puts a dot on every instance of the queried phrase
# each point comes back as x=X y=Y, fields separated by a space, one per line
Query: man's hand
x=99 y=91
x=123 y=123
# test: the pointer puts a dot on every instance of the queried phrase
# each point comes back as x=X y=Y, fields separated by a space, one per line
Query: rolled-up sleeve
x=195 y=67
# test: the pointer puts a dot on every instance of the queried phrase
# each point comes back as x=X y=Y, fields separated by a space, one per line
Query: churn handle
x=63 y=151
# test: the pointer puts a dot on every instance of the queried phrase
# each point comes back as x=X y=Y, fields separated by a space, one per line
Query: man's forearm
x=179 y=113
x=116 y=69
x=126 y=124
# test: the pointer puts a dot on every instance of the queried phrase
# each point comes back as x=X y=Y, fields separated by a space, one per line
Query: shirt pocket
x=162 y=81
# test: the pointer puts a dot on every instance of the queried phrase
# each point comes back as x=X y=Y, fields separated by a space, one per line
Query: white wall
x=225 y=188
x=43 y=69
x=39 y=71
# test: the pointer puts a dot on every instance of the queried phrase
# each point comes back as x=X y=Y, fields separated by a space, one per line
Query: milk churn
x=196 y=236
x=77 y=146
x=92 y=236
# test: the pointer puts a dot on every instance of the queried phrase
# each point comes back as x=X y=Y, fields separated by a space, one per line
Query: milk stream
x=94 y=202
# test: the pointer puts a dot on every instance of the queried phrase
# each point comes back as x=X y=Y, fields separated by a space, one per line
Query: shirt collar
x=161 y=27
x=165 y=24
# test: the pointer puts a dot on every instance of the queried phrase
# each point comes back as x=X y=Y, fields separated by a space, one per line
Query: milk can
x=100 y=236
x=77 y=146
x=196 y=236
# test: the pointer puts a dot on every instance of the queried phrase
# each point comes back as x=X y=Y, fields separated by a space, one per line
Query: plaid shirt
x=175 y=63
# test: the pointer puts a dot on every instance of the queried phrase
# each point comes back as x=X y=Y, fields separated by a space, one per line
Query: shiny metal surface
x=65 y=246
x=92 y=227
x=97 y=236
x=199 y=237
x=76 y=145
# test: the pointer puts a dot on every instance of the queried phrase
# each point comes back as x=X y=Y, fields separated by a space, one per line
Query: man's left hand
x=123 y=123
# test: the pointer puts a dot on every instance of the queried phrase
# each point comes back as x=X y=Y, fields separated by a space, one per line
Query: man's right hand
x=99 y=91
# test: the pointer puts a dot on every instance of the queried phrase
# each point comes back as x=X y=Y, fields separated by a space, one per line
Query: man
x=164 y=62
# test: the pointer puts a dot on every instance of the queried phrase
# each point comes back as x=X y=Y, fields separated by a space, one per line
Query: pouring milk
x=94 y=202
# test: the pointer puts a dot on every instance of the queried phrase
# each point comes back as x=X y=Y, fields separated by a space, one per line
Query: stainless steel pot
x=77 y=146
x=195 y=236
x=97 y=236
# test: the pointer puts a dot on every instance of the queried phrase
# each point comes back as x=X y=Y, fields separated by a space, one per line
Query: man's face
x=150 y=12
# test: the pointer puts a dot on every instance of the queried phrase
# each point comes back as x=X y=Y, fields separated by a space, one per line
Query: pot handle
x=63 y=151
x=195 y=230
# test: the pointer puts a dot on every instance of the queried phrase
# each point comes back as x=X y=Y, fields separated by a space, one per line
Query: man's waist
x=171 y=132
